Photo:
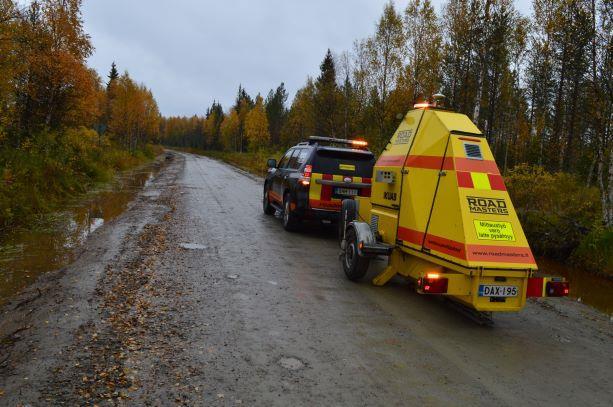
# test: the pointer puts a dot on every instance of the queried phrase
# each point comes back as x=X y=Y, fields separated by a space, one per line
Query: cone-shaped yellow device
x=439 y=201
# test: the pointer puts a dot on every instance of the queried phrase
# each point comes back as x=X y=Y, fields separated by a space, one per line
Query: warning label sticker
x=491 y=230
x=404 y=137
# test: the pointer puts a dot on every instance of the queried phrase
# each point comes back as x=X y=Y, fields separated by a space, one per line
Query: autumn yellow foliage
x=230 y=131
x=256 y=126
x=61 y=128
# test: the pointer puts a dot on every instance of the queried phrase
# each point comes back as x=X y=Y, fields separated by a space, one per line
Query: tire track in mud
x=137 y=335
x=99 y=367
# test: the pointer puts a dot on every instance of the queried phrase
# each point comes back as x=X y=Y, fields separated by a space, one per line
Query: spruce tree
x=276 y=112
x=113 y=75
x=327 y=98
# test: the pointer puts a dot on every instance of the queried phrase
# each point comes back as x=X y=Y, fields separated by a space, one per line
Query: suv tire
x=266 y=206
x=354 y=265
x=290 y=220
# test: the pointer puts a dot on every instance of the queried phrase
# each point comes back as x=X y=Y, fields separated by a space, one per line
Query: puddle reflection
x=26 y=254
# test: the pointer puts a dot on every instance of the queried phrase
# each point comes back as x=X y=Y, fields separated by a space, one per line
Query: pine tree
x=212 y=126
x=243 y=96
x=276 y=112
x=327 y=98
x=243 y=104
x=348 y=107
x=113 y=75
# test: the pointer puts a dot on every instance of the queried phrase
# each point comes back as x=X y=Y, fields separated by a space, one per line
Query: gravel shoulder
x=194 y=297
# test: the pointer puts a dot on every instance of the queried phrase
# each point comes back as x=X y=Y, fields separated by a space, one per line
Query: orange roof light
x=359 y=143
x=422 y=105
x=433 y=276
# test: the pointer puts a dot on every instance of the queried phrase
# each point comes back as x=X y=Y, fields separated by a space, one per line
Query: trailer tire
x=354 y=265
x=348 y=214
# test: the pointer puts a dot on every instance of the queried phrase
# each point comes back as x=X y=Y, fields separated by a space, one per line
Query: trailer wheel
x=347 y=215
x=354 y=265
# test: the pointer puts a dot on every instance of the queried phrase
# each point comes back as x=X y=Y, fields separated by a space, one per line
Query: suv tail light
x=306 y=175
x=547 y=287
x=557 y=289
x=433 y=284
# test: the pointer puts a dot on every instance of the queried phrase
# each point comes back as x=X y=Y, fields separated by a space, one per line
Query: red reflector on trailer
x=557 y=289
x=535 y=287
x=435 y=285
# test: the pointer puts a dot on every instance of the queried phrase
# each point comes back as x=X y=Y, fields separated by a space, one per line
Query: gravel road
x=195 y=297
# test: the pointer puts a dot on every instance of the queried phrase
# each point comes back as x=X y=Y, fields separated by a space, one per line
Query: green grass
x=561 y=218
x=50 y=168
x=595 y=252
x=252 y=161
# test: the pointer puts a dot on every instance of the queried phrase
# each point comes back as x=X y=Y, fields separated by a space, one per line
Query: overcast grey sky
x=190 y=52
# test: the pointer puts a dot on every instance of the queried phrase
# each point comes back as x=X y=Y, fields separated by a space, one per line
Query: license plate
x=498 y=291
x=346 y=191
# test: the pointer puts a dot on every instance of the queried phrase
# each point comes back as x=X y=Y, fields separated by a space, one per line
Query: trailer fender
x=364 y=235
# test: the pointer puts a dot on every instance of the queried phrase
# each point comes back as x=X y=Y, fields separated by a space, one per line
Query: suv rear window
x=298 y=158
x=343 y=162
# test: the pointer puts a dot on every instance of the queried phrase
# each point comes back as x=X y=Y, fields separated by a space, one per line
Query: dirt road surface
x=195 y=297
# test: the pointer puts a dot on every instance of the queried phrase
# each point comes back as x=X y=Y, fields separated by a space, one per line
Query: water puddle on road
x=593 y=290
x=53 y=243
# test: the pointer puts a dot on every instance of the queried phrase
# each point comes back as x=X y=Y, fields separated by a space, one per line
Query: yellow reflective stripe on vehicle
x=315 y=188
x=346 y=167
x=480 y=180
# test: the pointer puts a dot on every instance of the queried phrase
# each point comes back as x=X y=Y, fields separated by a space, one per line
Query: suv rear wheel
x=290 y=220
x=266 y=206
x=347 y=215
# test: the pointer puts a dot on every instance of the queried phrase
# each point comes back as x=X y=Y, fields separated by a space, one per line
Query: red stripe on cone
x=464 y=179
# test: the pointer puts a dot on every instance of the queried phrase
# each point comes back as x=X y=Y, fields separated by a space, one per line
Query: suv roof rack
x=357 y=144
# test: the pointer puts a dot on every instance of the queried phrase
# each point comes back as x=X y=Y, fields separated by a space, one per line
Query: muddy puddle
x=53 y=243
x=590 y=289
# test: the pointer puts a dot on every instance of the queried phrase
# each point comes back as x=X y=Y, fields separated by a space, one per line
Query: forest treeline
x=62 y=127
x=540 y=87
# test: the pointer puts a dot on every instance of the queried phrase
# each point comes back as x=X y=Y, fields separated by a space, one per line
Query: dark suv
x=313 y=178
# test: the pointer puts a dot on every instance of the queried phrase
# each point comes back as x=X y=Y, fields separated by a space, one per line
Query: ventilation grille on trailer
x=374 y=224
x=473 y=151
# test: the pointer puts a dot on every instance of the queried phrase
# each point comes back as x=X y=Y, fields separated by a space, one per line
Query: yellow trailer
x=440 y=210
